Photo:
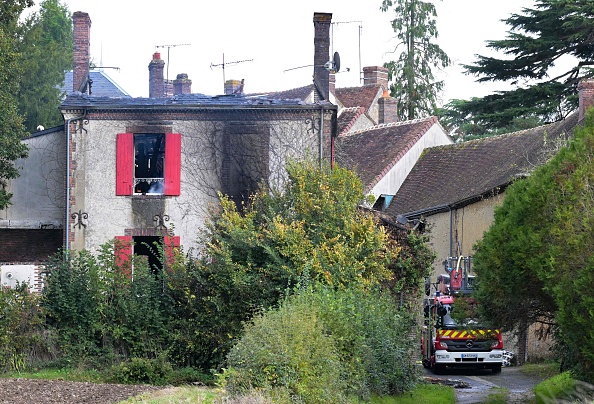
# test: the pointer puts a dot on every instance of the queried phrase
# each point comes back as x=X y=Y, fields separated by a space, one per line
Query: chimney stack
x=321 y=75
x=586 y=97
x=388 y=109
x=182 y=84
x=375 y=75
x=81 y=24
x=156 y=78
x=234 y=87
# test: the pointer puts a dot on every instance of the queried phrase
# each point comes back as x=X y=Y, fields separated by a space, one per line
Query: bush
x=318 y=339
x=22 y=339
x=139 y=370
x=287 y=349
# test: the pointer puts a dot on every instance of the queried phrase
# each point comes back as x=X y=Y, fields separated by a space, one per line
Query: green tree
x=539 y=38
x=313 y=232
x=536 y=262
x=413 y=82
x=11 y=123
x=46 y=54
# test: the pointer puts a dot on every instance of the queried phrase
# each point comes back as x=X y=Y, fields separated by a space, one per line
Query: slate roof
x=79 y=100
x=300 y=93
x=102 y=86
x=373 y=152
x=362 y=96
x=459 y=174
x=347 y=118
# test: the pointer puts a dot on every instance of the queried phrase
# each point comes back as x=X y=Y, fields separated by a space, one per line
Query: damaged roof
x=459 y=174
x=80 y=100
x=372 y=152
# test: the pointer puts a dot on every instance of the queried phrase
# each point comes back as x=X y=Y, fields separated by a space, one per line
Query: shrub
x=317 y=339
x=287 y=349
x=140 y=370
x=22 y=339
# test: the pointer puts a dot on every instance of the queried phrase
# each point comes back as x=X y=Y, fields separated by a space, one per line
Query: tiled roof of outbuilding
x=373 y=152
x=458 y=174
x=362 y=96
x=347 y=117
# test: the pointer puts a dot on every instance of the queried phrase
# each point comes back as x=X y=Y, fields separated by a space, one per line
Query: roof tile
x=454 y=174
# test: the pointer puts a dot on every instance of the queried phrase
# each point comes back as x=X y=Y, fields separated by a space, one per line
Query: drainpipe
x=451 y=230
x=67 y=227
x=321 y=134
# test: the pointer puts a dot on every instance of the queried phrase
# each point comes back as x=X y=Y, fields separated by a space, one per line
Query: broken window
x=149 y=163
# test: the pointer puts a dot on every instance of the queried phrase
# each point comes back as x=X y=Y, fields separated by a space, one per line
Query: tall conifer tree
x=413 y=83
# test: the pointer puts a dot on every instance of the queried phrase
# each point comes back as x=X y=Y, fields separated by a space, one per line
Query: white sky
x=275 y=35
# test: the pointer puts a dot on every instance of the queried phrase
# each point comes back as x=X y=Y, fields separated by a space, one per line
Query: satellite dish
x=336 y=62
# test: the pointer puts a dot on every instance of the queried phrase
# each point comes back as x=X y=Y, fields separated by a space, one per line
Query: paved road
x=481 y=381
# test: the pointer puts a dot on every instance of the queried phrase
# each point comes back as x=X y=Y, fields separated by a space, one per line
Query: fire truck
x=456 y=341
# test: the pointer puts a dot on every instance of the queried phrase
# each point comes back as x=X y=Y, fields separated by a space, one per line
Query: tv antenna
x=168 y=48
x=222 y=65
x=360 y=30
x=333 y=66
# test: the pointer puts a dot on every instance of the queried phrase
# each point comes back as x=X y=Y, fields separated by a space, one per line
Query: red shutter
x=124 y=163
x=172 y=163
x=170 y=245
x=123 y=253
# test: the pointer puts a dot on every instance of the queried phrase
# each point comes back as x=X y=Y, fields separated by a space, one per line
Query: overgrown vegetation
x=301 y=293
x=535 y=264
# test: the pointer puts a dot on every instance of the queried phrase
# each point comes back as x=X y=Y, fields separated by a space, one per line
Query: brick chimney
x=233 y=87
x=321 y=75
x=182 y=84
x=156 y=78
x=586 y=97
x=81 y=24
x=332 y=83
x=388 y=109
x=375 y=75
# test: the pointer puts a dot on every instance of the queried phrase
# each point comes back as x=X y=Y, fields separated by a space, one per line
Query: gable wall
x=363 y=122
x=390 y=183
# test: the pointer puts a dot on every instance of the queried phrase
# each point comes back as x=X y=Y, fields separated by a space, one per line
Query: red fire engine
x=459 y=342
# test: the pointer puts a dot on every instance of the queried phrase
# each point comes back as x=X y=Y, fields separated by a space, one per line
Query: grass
x=73 y=375
x=557 y=387
x=174 y=395
x=497 y=395
x=423 y=393
x=541 y=370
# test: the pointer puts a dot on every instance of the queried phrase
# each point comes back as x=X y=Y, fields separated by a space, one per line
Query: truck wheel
x=496 y=369
x=438 y=369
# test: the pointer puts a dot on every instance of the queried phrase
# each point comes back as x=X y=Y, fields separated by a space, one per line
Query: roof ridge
x=430 y=119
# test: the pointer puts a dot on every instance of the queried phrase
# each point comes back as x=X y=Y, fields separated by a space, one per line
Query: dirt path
x=477 y=384
x=34 y=391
